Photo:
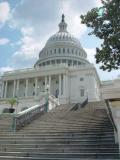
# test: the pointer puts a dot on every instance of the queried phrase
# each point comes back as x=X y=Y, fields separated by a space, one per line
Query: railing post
x=46 y=102
x=14 y=123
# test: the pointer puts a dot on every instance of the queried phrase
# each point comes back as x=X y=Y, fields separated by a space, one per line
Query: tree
x=105 y=24
x=12 y=102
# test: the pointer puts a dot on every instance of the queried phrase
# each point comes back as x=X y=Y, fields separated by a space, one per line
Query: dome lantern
x=63 y=25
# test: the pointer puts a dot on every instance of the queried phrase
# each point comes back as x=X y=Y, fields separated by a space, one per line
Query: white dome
x=62 y=47
x=63 y=37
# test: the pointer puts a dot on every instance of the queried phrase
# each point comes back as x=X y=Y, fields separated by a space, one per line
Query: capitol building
x=62 y=70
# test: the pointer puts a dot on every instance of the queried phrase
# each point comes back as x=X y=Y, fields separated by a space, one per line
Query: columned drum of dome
x=62 y=47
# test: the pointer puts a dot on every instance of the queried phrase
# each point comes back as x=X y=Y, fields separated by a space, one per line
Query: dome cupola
x=63 y=25
x=62 y=47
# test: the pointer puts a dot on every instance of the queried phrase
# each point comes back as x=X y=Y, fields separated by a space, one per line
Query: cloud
x=4 y=12
x=38 y=20
x=28 y=51
x=5 y=69
x=4 y=41
x=90 y=54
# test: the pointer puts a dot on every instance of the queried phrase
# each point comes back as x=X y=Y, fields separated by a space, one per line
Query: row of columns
x=67 y=62
x=16 y=85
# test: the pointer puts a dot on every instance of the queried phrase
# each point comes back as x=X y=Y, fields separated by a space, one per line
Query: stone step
x=61 y=155
x=33 y=145
x=67 y=130
x=60 y=133
x=38 y=158
x=63 y=150
x=62 y=141
x=58 y=137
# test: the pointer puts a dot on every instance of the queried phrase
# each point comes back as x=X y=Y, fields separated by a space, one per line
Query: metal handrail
x=110 y=114
x=78 y=105
x=25 y=117
x=84 y=102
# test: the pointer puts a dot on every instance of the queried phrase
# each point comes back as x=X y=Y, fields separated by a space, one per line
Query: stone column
x=14 y=88
x=17 y=90
x=6 y=84
x=36 y=86
x=45 y=83
x=60 y=85
x=72 y=62
x=64 y=85
x=49 y=84
x=26 y=88
x=2 y=90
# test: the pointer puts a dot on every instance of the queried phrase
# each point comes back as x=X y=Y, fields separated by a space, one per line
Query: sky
x=25 y=26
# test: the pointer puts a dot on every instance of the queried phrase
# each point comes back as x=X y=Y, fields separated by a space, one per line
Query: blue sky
x=25 y=26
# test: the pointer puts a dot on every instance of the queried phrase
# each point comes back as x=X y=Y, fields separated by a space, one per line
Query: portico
x=24 y=86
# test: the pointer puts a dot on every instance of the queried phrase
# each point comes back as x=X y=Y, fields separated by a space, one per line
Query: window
x=68 y=50
x=58 y=61
x=63 y=50
x=54 y=50
x=76 y=52
x=51 y=51
x=82 y=92
x=72 y=51
x=59 y=50
x=81 y=79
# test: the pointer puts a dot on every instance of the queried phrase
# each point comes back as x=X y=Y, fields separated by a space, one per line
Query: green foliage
x=12 y=102
x=106 y=26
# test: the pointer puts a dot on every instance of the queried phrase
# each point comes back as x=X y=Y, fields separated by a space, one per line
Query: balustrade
x=25 y=117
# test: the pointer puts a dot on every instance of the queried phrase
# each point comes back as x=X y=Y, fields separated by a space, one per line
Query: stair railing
x=112 y=121
x=110 y=114
x=84 y=102
x=26 y=116
x=80 y=105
